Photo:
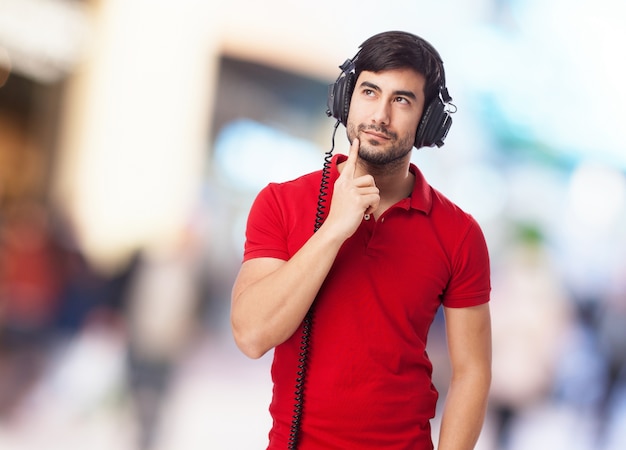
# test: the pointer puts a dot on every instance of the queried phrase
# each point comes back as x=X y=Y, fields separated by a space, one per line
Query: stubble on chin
x=370 y=152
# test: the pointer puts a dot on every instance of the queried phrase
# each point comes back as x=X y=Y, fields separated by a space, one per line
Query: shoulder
x=447 y=210
x=281 y=200
x=304 y=185
x=444 y=214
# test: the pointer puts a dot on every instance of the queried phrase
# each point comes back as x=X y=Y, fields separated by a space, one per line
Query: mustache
x=378 y=129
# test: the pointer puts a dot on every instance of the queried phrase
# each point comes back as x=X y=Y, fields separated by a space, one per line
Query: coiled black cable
x=319 y=215
x=307 y=323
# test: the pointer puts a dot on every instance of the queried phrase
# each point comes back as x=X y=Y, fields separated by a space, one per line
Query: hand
x=353 y=196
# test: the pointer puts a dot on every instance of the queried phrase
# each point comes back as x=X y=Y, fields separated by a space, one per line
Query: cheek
x=351 y=131
x=353 y=122
x=360 y=108
x=411 y=126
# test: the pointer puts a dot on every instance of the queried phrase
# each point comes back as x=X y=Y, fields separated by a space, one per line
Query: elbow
x=250 y=349
x=249 y=343
x=247 y=336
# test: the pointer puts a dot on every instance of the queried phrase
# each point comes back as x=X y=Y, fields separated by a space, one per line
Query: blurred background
x=135 y=134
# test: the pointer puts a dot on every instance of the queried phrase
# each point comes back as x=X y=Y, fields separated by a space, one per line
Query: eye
x=369 y=92
x=402 y=100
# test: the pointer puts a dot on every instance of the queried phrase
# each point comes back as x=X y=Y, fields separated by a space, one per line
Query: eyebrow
x=375 y=87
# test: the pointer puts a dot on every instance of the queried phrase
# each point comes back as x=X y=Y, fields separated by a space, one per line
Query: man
x=390 y=251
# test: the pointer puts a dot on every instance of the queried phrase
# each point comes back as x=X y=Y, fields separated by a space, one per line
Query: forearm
x=464 y=411
x=267 y=311
x=271 y=298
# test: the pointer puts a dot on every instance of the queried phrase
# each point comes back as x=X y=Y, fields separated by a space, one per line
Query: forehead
x=394 y=80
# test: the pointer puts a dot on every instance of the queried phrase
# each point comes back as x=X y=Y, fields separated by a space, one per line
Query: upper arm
x=468 y=332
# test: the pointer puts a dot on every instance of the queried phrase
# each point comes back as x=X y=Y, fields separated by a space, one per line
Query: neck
x=394 y=181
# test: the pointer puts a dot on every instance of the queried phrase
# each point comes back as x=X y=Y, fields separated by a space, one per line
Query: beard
x=377 y=154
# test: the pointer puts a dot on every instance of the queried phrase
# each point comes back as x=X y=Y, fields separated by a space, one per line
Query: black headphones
x=436 y=120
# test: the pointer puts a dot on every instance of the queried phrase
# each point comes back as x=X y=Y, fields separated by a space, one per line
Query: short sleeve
x=265 y=232
x=470 y=282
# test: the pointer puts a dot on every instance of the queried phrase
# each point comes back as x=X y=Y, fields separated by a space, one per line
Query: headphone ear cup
x=339 y=96
x=347 y=96
x=434 y=125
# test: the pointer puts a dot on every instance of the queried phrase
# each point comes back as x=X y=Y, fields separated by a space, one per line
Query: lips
x=376 y=134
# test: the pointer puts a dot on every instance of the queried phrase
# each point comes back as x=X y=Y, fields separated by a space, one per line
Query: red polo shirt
x=369 y=377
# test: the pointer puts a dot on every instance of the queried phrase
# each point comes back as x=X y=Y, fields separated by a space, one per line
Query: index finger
x=352 y=156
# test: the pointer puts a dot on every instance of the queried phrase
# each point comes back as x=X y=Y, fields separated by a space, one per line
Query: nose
x=381 y=114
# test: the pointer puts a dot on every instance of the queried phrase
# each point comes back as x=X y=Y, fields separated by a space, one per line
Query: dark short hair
x=401 y=50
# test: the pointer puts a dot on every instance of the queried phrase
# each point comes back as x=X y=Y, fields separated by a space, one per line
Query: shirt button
x=366 y=217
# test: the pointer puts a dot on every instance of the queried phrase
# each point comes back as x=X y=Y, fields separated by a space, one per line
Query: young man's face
x=384 y=113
